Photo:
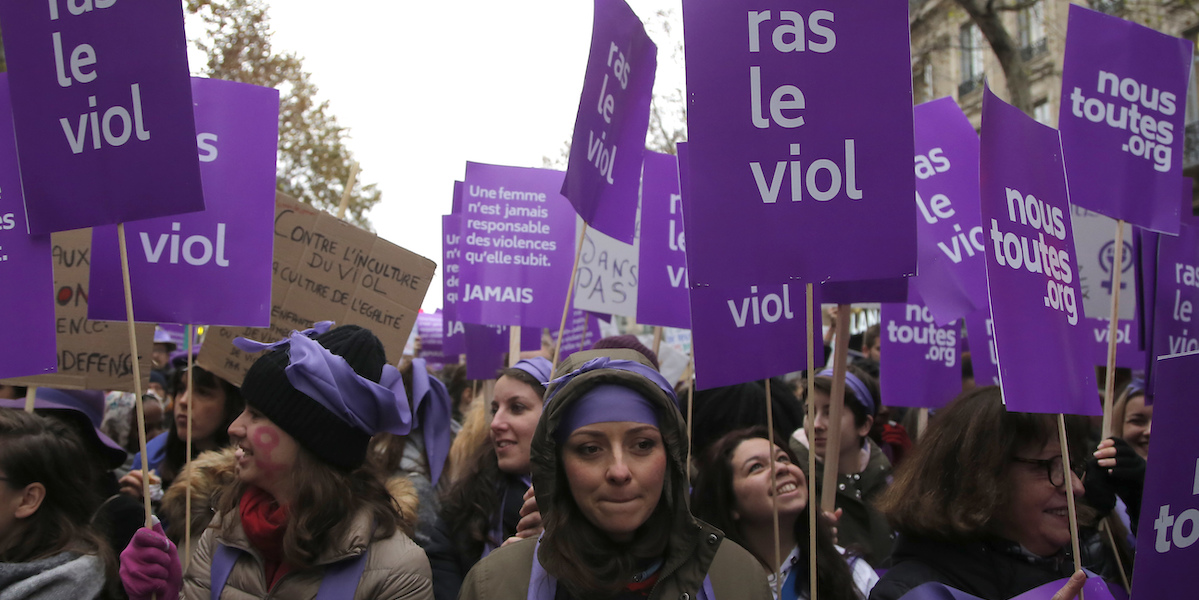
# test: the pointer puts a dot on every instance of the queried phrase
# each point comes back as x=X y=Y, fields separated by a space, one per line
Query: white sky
x=426 y=86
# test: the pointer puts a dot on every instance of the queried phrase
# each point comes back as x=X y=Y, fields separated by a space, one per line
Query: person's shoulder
x=734 y=567
x=502 y=574
x=398 y=552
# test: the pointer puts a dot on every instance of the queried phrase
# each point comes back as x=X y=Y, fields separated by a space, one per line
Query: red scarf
x=264 y=522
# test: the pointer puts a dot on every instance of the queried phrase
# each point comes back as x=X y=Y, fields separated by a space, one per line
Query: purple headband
x=540 y=368
x=860 y=391
x=433 y=407
x=605 y=362
x=1135 y=387
x=605 y=404
x=328 y=379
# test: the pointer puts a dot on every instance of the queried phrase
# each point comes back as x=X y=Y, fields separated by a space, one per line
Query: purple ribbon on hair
x=540 y=368
x=433 y=408
x=252 y=346
x=1135 y=387
x=860 y=391
x=604 y=362
x=328 y=379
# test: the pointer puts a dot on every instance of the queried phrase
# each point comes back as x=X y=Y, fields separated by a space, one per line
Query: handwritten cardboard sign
x=607 y=276
x=92 y=355
x=328 y=270
x=103 y=111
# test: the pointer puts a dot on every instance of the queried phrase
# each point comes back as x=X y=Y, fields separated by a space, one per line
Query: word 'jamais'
x=496 y=293
x=1151 y=138
x=771 y=308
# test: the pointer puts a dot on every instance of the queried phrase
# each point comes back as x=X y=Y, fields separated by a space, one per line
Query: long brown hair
x=40 y=449
x=714 y=501
x=326 y=502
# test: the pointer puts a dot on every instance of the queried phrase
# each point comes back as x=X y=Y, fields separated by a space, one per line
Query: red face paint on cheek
x=265 y=441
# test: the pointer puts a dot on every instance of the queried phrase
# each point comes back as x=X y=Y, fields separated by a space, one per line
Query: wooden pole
x=137 y=376
x=30 y=396
x=921 y=423
x=1109 y=391
x=832 y=457
x=657 y=338
x=1069 y=476
x=513 y=345
x=345 y=195
x=808 y=425
x=1104 y=525
x=690 y=412
x=774 y=498
x=187 y=530
x=574 y=271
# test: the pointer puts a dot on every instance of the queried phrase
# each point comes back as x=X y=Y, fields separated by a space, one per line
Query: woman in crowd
x=48 y=548
x=981 y=503
x=303 y=517
x=212 y=407
x=863 y=472
x=735 y=492
x=482 y=509
x=608 y=469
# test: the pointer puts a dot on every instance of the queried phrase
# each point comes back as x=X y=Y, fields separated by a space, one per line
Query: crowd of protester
x=329 y=473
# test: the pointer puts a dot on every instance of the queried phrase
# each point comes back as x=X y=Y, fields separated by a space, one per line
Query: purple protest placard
x=1177 y=294
x=103 y=111
x=456 y=207
x=1128 y=353
x=800 y=134
x=1124 y=90
x=984 y=358
x=486 y=346
x=750 y=333
x=1032 y=266
x=28 y=346
x=865 y=290
x=582 y=330
x=451 y=254
x=1170 y=508
x=429 y=327
x=211 y=267
x=952 y=280
x=921 y=369
x=662 y=295
x=603 y=172
x=518 y=241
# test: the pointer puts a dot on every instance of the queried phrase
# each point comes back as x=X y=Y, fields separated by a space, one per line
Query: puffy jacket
x=395 y=567
x=696 y=549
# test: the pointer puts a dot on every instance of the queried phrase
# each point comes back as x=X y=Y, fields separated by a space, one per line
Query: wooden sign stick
x=808 y=429
x=137 y=376
x=836 y=405
x=345 y=195
x=574 y=272
x=187 y=510
x=774 y=497
x=1069 y=475
x=690 y=411
x=657 y=338
x=513 y=345
x=1109 y=391
x=30 y=396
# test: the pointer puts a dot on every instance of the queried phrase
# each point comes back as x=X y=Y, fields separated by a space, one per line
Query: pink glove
x=150 y=566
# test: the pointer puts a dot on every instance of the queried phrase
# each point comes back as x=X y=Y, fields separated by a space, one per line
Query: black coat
x=447 y=556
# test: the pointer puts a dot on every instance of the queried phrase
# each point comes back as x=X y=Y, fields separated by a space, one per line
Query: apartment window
x=922 y=83
x=1032 y=24
x=1042 y=113
x=972 y=45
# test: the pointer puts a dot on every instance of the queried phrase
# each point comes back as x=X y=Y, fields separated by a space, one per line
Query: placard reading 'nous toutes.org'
x=328 y=270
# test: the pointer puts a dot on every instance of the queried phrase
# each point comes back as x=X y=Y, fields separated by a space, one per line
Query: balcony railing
x=1035 y=49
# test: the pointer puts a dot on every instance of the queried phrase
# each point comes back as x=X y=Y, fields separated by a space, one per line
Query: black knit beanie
x=316 y=428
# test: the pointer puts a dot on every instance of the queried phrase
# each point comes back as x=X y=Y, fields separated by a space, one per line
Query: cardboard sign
x=952 y=280
x=1124 y=90
x=28 y=341
x=211 y=267
x=1095 y=245
x=921 y=367
x=800 y=129
x=451 y=253
x=607 y=275
x=984 y=357
x=430 y=329
x=1169 y=524
x=603 y=171
x=518 y=241
x=1031 y=266
x=92 y=355
x=662 y=249
x=328 y=270
x=103 y=111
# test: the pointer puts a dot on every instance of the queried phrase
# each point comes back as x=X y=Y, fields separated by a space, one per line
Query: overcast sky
x=426 y=86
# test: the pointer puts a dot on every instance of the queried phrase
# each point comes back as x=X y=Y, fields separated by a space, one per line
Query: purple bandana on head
x=539 y=368
x=605 y=362
x=328 y=379
x=859 y=389
x=433 y=407
x=606 y=404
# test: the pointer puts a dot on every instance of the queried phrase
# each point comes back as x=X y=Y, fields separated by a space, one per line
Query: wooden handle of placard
x=345 y=195
x=513 y=345
x=828 y=499
x=1109 y=392
x=574 y=271
x=30 y=396
x=657 y=338
x=808 y=427
x=187 y=510
x=137 y=375
x=921 y=423
x=774 y=498
x=690 y=411
x=1069 y=475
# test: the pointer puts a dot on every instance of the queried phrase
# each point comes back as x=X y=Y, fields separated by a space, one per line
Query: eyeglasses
x=1053 y=468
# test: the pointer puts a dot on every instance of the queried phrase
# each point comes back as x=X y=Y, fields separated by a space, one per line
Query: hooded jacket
x=695 y=549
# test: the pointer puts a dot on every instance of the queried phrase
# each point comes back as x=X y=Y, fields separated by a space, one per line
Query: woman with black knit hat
x=304 y=517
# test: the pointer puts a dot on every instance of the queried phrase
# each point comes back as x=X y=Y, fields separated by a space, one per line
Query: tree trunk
x=990 y=21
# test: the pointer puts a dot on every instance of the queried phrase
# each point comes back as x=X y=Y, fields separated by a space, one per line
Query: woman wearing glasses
x=981 y=505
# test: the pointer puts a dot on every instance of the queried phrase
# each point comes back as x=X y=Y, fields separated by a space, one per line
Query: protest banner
x=430 y=328
x=800 y=137
x=1169 y=524
x=1123 y=107
x=517 y=245
x=894 y=289
x=1032 y=266
x=1177 y=293
x=606 y=277
x=662 y=250
x=582 y=330
x=91 y=355
x=922 y=368
x=603 y=170
x=328 y=270
x=25 y=261
x=949 y=232
x=216 y=264
x=103 y=111
x=487 y=344
x=984 y=358
x=451 y=252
